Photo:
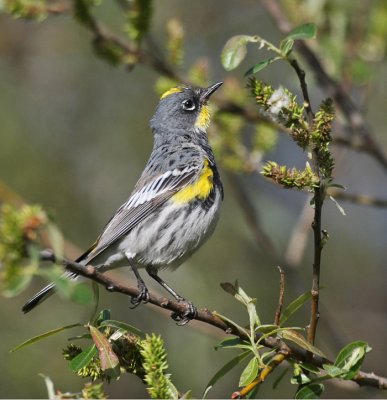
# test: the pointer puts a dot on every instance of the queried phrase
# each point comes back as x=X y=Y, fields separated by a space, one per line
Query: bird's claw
x=186 y=316
x=142 y=297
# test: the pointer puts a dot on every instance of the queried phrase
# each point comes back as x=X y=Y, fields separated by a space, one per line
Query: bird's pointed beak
x=206 y=93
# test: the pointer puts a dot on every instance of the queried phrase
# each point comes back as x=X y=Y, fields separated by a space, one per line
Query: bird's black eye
x=189 y=105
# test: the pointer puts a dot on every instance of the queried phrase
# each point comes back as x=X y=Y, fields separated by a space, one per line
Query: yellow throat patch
x=199 y=189
x=203 y=119
x=171 y=91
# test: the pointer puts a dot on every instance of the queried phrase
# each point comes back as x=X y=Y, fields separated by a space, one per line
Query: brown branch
x=316 y=225
x=304 y=88
x=210 y=318
x=281 y=297
x=319 y=195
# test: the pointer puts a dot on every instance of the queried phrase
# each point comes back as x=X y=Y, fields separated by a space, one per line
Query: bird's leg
x=180 y=318
x=143 y=296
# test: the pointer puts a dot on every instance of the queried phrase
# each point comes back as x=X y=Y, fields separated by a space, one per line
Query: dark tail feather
x=39 y=297
x=49 y=290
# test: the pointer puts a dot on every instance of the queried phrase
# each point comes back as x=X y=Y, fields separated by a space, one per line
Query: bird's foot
x=184 y=317
x=142 y=297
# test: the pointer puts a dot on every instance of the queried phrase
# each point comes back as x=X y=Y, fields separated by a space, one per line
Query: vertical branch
x=281 y=297
x=304 y=88
x=316 y=225
x=318 y=200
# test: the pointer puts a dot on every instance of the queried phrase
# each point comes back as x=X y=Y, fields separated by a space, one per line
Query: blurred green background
x=74 y=138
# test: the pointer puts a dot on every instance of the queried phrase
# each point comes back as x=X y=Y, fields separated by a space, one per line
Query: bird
x=174 y=206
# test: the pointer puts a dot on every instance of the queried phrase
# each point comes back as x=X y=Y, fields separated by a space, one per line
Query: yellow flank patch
x=203 y=119
x=199 y=189
x=171 y=91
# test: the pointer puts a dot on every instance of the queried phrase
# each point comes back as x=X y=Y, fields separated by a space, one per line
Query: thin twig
x=281 y=296
x=304 y=88
x=316 y=225
x=319 y=195
x=268 y=369
x=210 y=318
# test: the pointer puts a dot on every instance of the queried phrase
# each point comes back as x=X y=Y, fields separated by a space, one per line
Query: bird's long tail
x=42 y=295
x=49 y=290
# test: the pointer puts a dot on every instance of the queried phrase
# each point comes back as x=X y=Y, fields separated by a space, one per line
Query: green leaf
x=206 y=392
x=294 y=306
x=300 y=379
x=332 y=370
x=43 y=336
x=234 y=51
x=298 y=339
x=305 y=31
x=310 y=367
x=261 y=65
x=286 y=46
x=229 y=342
x=186 y=395
x=267 y=328
x=82 y=294
x=122 y=325
x=229 y=321
x=83 y=359
x=49 y=386
x=240 y=295
x=249 y=373
x=226 y=368
x=337 y=204
x=337 y=185
x=351 y=357
x=312 y=391
x=102 y=316
x=109 y=360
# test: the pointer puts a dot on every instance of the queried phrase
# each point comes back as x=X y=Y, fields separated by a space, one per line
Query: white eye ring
x=189 y=105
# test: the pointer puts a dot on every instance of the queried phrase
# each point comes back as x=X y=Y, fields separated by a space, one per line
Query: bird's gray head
x=183 y=109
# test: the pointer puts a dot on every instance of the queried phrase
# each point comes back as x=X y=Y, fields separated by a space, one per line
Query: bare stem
x=281 y=297
x=316 y=225
x=304 y=88
x=319 y=194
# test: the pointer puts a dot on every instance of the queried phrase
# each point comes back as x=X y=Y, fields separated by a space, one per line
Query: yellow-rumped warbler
x=174 y=206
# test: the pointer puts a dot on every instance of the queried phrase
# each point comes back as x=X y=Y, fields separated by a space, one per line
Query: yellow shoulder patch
x=201 y=188
x=171 y=91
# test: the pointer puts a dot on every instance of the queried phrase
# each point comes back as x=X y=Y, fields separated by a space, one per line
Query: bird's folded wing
x=140 y=205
